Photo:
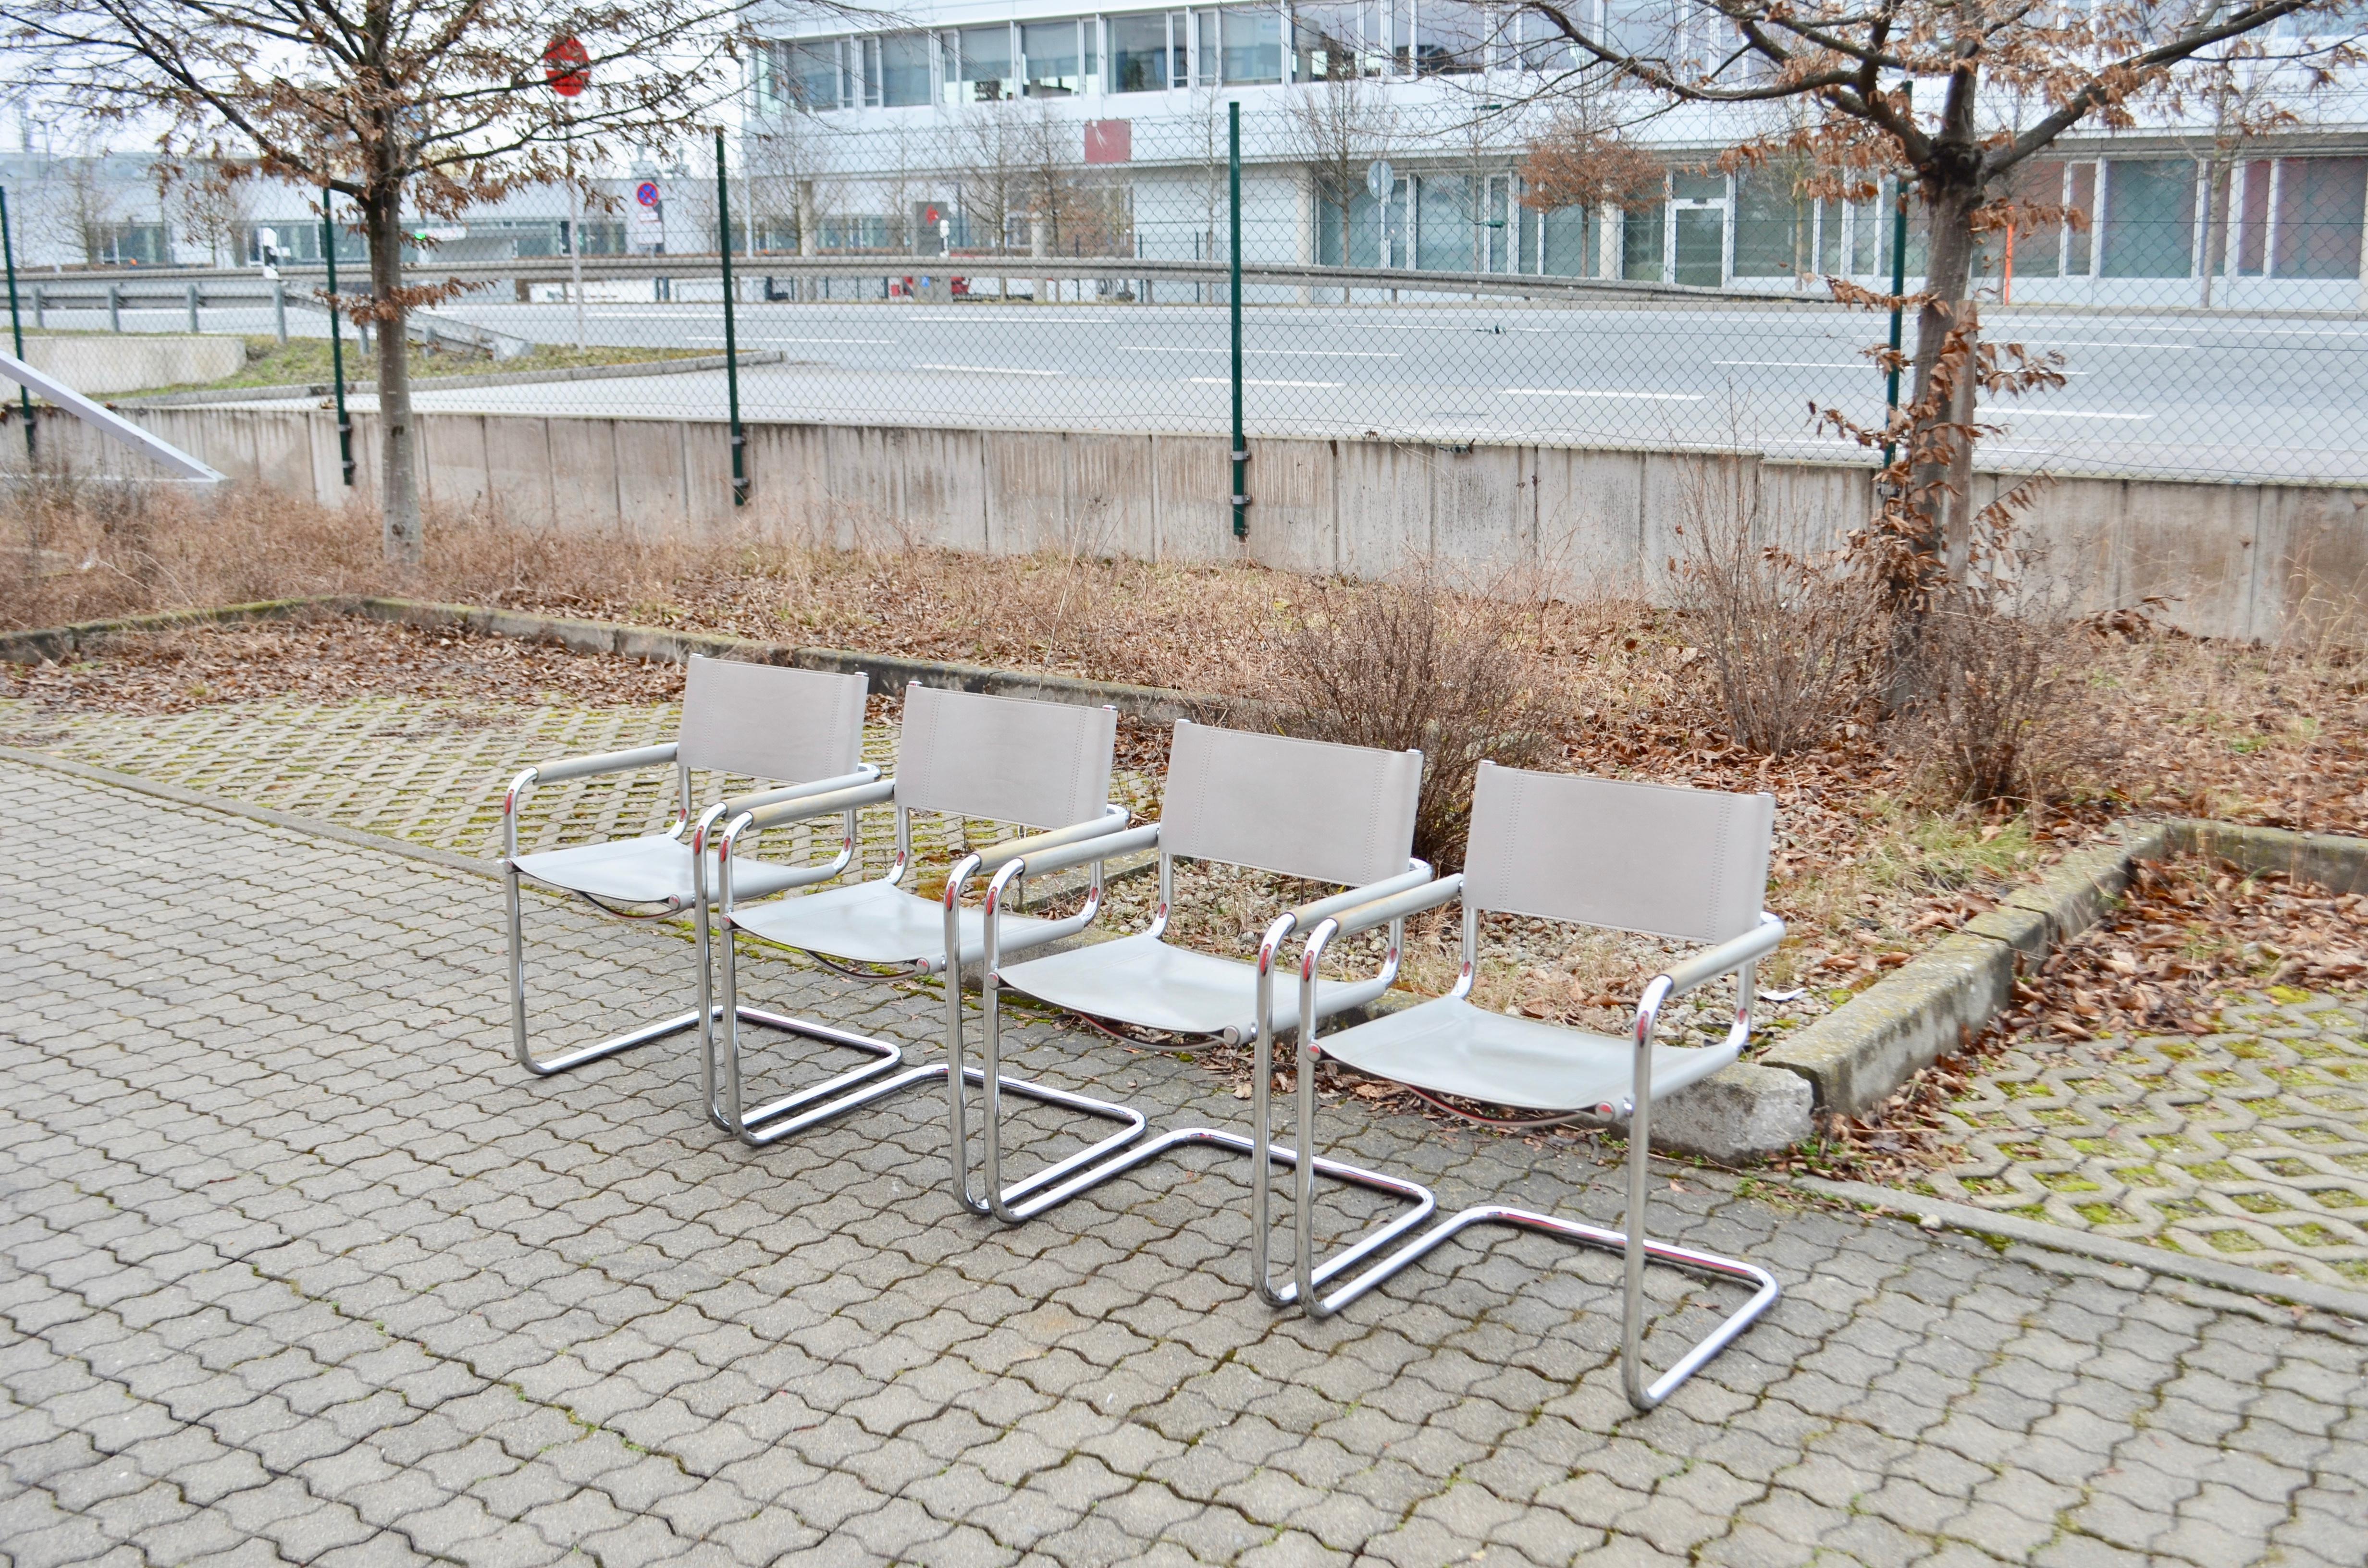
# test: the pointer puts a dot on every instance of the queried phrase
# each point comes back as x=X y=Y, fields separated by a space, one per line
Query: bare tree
x=84 y=206
x=1852 y=66
x=1337 y=126
x=417 y=105
x=988 y=154
x=207 y=201
x=789 y=168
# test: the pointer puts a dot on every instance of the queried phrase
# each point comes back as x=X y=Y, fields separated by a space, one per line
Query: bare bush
x=2002 y=712
x=1410 y=663
x=1791 y=638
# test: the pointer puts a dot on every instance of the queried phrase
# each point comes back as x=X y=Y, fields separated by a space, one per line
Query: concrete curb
x=205 y=396
x=1858 y=1055
x=888 y=671
x=2212 y=1271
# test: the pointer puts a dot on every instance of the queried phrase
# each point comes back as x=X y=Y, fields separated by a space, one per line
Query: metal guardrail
x=148 y=285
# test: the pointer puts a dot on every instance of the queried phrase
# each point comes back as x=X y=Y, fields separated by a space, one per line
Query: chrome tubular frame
x=583 y=767
x=1739 y=957
x=1056 y=1184
x=998 y=1198
x=520 y=1046
x=785 y=1118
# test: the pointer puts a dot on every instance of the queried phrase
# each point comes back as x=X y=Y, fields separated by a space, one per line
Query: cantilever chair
x=762 y=721
x=999 y=758
x=1306 y=809
x=1689 y=864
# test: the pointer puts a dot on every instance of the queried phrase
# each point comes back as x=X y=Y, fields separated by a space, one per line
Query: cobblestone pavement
x=2250 y=1143
x=426 y=770
x=300 y=1266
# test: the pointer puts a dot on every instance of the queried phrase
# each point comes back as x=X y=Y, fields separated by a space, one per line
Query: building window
x=904 y=69
x=1376 y=234
x=1253 y=47
x=810 y=75
x=128 y=245
x=1642 y=234
x=1539 y=45
x=2149 y=218
x=1049 y=52
x=1138 y=48
x=1333 y=41
x=2319 y=203
x=1452 y=38
x=1569 y=242
x=979 y=65
x=1775 y=227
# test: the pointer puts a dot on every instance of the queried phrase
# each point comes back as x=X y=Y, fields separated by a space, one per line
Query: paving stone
x=323 y=1285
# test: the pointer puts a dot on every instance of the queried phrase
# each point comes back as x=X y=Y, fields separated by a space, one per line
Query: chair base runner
x=1423 y=1201
x=619 y=1044
x=1764 y=1293
x=810 y=1108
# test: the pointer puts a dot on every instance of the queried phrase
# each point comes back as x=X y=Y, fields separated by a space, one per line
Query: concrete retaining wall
x=97 y=366
x=2230 y=560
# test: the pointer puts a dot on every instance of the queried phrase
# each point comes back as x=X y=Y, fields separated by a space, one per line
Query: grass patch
x=304 y=361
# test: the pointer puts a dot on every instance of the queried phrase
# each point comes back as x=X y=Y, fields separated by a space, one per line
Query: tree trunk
x=399 y=499
x=1948 y=272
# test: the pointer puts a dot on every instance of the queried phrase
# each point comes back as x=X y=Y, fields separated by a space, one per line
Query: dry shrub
x=1411 y=662
x=1791 y=639
x=2001 y=710
x=85 y=549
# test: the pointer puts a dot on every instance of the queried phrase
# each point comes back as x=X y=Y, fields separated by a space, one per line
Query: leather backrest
x=1008 y=759
x=1686 y=863
x=771 y=721
x=1312 y=809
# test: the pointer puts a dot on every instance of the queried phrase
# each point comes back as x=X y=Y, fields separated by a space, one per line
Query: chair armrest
x=1727 y=957
x=817 y=805
x=1101 y=846
x=994 y=856
x=1398 y=905
x=1416 y=874
x=864 y=775
x=606 y=762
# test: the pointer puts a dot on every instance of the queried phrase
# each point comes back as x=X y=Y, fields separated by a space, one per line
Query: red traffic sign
x=564 y=66
x=646 y=193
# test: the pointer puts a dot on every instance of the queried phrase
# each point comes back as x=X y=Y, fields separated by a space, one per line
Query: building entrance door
x=1698 y=220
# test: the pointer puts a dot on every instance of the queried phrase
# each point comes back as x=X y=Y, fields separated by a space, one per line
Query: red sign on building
x=1109 y=140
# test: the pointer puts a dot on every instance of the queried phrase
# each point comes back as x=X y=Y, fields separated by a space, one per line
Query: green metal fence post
x=16 y=329
x=731 y=345
x=336 y=344
x=1241 y=445
x=1899 y=289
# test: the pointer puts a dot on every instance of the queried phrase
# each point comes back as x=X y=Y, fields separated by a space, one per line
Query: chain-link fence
x=1007 y=284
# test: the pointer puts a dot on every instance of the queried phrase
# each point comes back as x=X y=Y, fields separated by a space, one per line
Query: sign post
x=567 y=66
x=1234 y=187
x=731 y=345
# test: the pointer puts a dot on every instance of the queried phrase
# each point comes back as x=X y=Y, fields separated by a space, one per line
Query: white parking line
x=1574 y=392
x=1270 y=353
x=989 y=370
x=767 y=337
x=2012 y=413
x=1253 y=382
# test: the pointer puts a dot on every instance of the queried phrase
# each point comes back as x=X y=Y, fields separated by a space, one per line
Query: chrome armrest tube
x=579 y=767
x=864 y=775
